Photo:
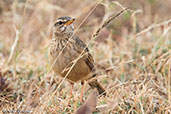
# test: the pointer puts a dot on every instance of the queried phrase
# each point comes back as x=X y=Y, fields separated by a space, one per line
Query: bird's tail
x=95 y=84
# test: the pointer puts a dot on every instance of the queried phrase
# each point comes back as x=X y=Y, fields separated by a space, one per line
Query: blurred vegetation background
x=134 y=64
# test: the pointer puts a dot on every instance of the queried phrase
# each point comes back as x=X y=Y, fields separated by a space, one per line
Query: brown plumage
x=67 y=52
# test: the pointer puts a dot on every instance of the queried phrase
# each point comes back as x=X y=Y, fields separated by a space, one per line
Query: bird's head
x=64 y=24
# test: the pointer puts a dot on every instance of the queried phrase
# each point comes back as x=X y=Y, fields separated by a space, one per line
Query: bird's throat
x=62 y=36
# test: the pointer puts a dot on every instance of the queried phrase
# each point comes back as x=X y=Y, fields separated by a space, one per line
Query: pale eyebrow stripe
x=61 y=20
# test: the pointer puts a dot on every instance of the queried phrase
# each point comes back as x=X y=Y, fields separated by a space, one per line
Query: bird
x=70 y=57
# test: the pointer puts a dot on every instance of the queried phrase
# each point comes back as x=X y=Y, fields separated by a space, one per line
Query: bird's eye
x=60 y=22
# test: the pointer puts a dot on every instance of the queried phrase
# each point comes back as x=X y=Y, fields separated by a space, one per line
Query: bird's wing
x=88 y=58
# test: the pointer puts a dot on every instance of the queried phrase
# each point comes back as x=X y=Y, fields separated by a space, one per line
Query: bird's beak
x=69 y=22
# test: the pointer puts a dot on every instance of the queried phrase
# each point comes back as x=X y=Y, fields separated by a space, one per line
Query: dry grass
x=132 y=54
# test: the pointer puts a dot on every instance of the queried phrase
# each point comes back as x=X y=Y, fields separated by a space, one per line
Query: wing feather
x=88 y=58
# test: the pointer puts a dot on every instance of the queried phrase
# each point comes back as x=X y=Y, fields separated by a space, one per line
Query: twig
x=153 y=26
x=18 y=32
x=13 y=48
x=108 y=21
x=118 y=4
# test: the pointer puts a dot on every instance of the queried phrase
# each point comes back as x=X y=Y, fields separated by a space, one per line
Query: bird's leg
x=72 y=87
x=82 y=92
